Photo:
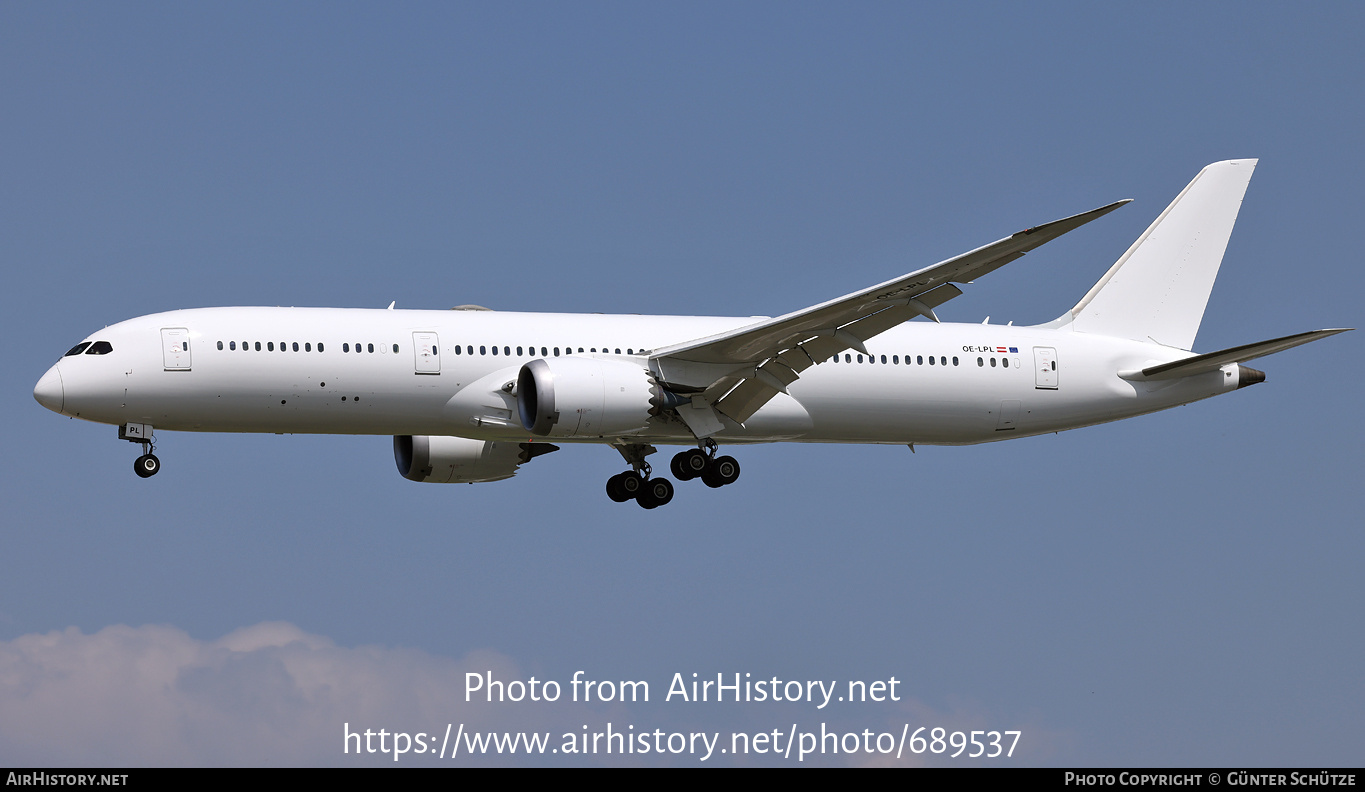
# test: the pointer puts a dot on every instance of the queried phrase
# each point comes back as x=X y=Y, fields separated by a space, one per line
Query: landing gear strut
x=146 y=465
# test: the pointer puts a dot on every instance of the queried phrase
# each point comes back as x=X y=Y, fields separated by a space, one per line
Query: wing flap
x=741 y=403
x=758 y=389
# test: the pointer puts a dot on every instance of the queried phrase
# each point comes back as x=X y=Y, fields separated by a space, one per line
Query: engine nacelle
x=586 y=397
x=459 y=460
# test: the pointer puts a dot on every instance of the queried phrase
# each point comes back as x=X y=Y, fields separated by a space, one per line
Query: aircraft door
x=175 y=348
x=1009 y=415
x=427 y=348
x=1045 y=368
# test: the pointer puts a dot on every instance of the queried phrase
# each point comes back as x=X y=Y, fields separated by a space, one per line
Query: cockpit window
x=77 y=349
x=100 y=348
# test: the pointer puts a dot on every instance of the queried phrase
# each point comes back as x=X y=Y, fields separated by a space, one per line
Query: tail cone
x=1247 y=375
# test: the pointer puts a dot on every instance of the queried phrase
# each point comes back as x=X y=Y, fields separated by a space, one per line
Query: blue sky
x=1177 y=589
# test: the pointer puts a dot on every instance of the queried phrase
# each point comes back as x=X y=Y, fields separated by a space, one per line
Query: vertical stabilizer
x=1157 y=291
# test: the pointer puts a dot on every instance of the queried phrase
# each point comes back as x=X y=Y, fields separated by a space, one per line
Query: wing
x=741 y=370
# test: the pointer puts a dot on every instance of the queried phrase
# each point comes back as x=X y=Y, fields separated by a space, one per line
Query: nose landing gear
x=146 y=465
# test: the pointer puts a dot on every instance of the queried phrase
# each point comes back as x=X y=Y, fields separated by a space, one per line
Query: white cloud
x=272 y=694
x=267 y=694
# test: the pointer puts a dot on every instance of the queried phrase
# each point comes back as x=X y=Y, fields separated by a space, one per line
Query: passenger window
x=980 y=363
x=220 y=345
x=618 y=351
x=518 y=351
x=954 y=360
x=258 y=346
x=395 y=349
x=469 y=350
x=495 y=350
x=920 y=359
x=370 y=348
x=860 y=358
x=319 y=346
x=345 y=347
x=580 y=350
x=543 y=352
x=1005 y=362
x=943 y=361
x=483 y=350
x=883 y=358
x=457 y=349
x=848 y=358
x=232 y=345
x=1054 y=365
x=895 y=360
x=556 y=351
x=307 y=347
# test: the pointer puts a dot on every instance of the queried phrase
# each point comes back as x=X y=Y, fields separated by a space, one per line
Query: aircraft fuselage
x=356 y=371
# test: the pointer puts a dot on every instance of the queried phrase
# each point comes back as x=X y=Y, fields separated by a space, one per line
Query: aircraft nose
x=49 y=391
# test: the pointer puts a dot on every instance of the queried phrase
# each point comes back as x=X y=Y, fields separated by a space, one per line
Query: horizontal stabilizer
x=1212 y=361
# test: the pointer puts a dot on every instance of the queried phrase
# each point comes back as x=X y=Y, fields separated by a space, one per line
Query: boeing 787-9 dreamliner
x=471 y=394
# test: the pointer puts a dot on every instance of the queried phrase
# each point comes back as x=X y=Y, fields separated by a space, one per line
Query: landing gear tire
x=146 y=465
x=722 y=471
x=689 y=464
x=655 y=493
x=624 y=486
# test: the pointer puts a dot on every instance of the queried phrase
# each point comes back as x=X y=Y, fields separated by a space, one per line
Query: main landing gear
x=712 y=470
x=146 y=465
x=635 y=484
x=651 y=493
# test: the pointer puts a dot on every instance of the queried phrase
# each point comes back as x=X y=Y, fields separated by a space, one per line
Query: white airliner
x=471 y=394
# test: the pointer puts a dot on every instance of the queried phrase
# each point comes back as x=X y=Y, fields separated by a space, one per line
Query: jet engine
x=460 y=460
x=588 y=397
